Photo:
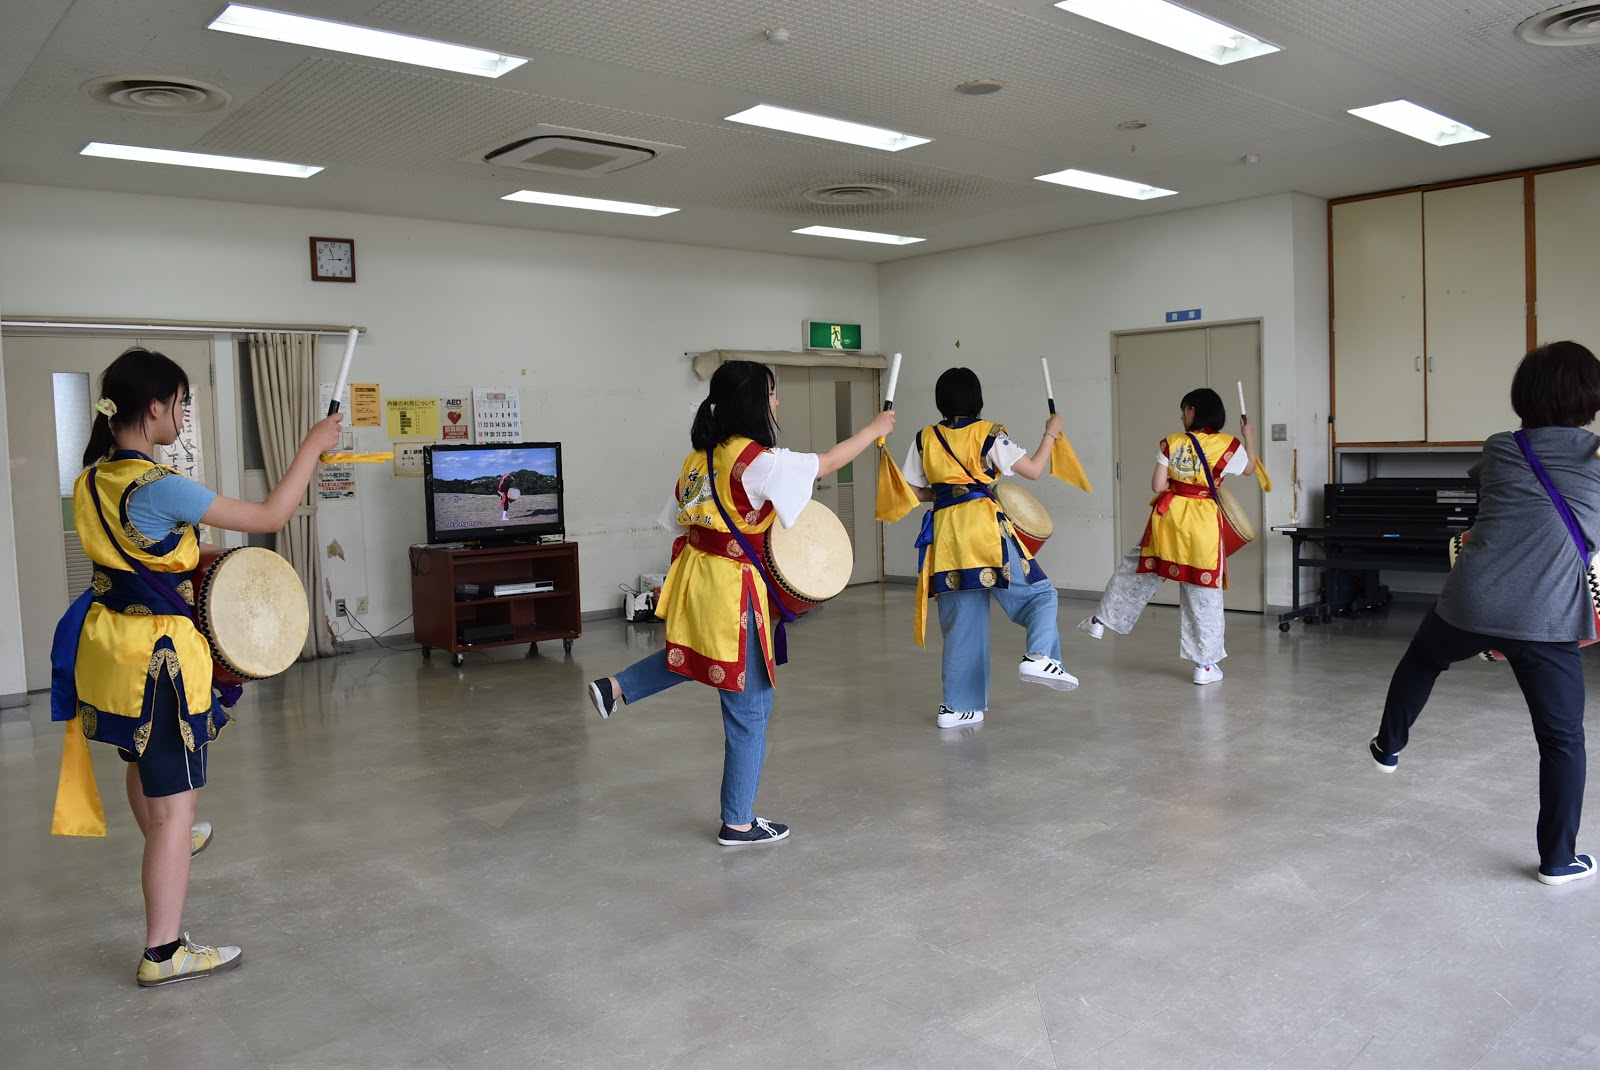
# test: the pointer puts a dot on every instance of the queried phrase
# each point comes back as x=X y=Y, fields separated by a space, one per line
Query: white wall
x=1063 y=295
x=592 y=331
x=13 y=681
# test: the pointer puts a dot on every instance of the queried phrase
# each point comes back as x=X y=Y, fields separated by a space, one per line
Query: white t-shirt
x=779 y=476
x=1235 y=466
x=1001 y=456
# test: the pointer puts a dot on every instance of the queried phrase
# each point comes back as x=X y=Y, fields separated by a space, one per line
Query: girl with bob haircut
x=1183 y=538
x=970 y=554
x=128 y=662
x=717 y=600
x=1520 y=586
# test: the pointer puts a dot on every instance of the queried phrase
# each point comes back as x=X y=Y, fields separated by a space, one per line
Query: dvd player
x=504 y=590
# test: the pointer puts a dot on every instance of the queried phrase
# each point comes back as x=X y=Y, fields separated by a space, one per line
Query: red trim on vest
x=741 y=499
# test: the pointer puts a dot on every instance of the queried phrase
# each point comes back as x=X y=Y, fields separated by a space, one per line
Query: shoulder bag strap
x=1560 y=503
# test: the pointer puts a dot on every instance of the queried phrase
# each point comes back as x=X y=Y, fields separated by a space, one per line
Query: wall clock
x=333 y=260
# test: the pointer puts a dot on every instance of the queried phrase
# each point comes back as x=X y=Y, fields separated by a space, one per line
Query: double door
x=52 y=383
x=1153 y=371
x=817 y=408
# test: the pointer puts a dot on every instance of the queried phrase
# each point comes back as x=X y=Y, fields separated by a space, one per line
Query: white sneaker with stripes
x=1038 y=669
x=949 y=718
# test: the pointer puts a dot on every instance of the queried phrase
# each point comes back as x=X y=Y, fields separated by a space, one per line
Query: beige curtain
x=284 y=367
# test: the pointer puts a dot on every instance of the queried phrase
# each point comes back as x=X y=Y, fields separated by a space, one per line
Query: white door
x=1154 y=370
x=51 y=383
x=817 y=408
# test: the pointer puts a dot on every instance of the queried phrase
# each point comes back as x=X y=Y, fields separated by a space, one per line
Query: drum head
x=513 y=494
x=1025 y=511
x=1235 y=514
x=256 y=613
x=814 y=556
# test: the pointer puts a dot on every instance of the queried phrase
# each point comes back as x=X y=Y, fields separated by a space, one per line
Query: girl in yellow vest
x=128 y=660
x=717 y=599
x=1183 y=539
x=969 y=551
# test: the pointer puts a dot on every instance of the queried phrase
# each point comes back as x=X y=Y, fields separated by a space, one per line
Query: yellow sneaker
x=191 y=960
x=199 y=837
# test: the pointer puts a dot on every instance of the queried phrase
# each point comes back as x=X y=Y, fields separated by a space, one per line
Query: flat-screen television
x=493 y=493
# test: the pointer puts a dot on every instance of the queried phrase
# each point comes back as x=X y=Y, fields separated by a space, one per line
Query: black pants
x=1551 y=678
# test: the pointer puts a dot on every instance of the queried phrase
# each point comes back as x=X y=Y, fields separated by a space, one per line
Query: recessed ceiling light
x=1117 y=187
x=799 y=122
x=1174 y=27
x=980 y=87
x=1133 y=124
x=379 y=44
x=1418 y=122
x=592 y=204
x=199 y=159
x=858 y=235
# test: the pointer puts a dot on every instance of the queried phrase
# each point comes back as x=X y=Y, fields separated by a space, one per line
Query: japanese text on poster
x=365 y=408
x=408 y=458
x=454 y=423
x=412 y=417
x=336 y=481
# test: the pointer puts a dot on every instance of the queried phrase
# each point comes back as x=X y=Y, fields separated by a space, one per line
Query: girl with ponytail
x=731 y=487
x=125 y=669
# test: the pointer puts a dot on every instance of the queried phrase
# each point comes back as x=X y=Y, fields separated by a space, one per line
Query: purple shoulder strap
x=1555 y=496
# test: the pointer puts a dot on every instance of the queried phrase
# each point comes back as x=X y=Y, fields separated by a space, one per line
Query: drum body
x=811 y=561
x=251 y=608
x=1236 y=527
x=1030 y=519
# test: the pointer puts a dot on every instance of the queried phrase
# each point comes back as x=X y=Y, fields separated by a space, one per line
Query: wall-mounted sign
x=1183 y=314
x=820 y=335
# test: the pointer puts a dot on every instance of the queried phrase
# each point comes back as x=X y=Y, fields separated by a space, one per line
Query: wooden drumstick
x=894 y=377
x=1049 y=392
x=344 y=369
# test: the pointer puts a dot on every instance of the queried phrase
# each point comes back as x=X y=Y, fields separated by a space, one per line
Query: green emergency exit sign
x=821 y=335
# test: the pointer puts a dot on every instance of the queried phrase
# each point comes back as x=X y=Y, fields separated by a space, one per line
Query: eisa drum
x=1237 y=530
x=811 y=561
x=1030 y=518
x=251 y=608
x=513 y=494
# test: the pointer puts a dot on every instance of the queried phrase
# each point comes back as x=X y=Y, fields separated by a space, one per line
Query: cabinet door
x=1566 y=214
x=1377 y=320
x=1475 y=252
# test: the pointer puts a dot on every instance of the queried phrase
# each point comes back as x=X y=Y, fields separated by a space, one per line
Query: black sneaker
x=761 y=831
x=603 y=697
x=1386 y=763
x=1581 y=867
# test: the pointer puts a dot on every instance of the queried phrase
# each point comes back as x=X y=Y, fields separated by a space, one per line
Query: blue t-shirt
x=156 y=508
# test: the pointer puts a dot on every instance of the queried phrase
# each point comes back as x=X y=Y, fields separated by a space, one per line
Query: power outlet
x=338 y=608
x=361 y=606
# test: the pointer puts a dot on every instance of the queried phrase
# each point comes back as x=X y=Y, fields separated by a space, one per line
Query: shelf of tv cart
x=447 y=622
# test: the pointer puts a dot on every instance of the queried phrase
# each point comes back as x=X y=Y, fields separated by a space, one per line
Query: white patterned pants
x=1200 y=621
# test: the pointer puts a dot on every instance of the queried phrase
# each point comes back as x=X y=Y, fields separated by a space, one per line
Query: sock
x=163 y=953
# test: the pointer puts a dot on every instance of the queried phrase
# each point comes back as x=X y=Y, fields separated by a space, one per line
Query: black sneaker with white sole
x=1581 y=867
x=1386 y=762
x=760 y=831
x=602 y=696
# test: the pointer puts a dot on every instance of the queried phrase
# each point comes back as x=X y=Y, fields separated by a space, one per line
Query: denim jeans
x=744 y=721
x=964 y=620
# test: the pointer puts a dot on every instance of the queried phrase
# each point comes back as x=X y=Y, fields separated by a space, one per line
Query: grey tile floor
x=437 y=868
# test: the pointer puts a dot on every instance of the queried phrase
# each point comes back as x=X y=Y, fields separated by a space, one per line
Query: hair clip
x=106 y=407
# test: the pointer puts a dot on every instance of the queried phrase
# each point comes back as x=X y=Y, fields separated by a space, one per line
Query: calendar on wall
x=498 y=415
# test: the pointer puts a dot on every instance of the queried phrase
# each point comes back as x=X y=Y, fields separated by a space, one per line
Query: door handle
x=1419 y=362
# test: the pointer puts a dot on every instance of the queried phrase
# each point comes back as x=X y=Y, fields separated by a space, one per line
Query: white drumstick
x=1240 y=384
x=344 y=369
x=894 y=377
x=1049 y=391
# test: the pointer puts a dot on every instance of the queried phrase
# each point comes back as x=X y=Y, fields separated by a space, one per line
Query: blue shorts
x=167 y=767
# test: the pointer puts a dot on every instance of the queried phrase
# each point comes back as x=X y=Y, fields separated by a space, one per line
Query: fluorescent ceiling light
x=799 y=122
x=1419 y=122
x=1174 y=27
x=859 y=235
x=1117 y=187
x=199 y=159
x=593 y=204
x=342 y=37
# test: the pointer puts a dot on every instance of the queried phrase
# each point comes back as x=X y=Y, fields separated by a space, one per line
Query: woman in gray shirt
x=1521 y=587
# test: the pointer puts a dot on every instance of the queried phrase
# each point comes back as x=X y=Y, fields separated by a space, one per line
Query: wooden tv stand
x=444 y=622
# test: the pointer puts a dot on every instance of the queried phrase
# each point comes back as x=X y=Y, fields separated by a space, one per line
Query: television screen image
x=504 y=491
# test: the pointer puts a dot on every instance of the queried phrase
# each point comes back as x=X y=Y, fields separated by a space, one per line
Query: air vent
x=558 y=150
x=157 y=94
x=851 y=193
x=1569 y=24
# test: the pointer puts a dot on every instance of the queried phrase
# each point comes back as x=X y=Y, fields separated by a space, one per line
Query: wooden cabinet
x=1566 y=212
x=1475 y=258
x=446 y=619
x=1378 y=382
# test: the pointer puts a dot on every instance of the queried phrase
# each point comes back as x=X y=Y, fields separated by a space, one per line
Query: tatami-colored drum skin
x=1030 y=519
x=811 y=561
x=251 y=607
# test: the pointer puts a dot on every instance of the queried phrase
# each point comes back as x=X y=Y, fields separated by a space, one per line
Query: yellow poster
x=412 y=417
x=365 y=408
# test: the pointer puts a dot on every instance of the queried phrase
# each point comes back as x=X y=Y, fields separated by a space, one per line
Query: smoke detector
x=1569 y=24
x=563 y=151
x=847 y=194
x=157 y=94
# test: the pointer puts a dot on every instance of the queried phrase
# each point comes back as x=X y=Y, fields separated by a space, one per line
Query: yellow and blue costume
x=122 y=642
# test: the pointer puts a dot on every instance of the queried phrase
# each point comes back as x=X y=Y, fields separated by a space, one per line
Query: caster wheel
x=459 y=660
x=1327 y=618
x=566 y=646
x=427 y=652
x=1283 y=626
